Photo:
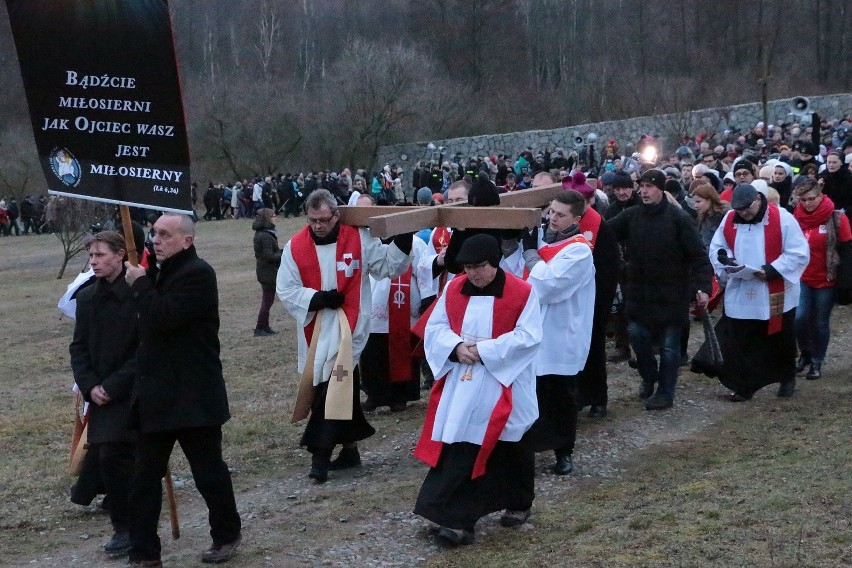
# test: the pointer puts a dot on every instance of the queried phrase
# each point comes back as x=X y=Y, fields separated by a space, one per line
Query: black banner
x=104 y=97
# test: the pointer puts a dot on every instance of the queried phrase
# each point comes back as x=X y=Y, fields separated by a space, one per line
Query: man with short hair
x=179 y=395
x=760 y=251
x=666 y=269
x=324 y=283
x=481 y=342
x=557 y=260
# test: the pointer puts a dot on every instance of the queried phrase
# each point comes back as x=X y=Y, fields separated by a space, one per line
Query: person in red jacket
x=829 y=237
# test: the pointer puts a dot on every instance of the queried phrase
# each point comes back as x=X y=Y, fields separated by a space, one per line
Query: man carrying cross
x=323 y=284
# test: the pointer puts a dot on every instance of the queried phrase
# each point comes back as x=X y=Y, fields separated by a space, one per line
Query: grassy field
x=765 y=483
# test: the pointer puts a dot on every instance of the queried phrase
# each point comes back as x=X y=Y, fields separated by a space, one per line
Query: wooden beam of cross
x=518 y=210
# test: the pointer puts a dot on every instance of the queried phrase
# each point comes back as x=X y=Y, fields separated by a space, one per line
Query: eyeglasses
x=742 y=173
x=709 y=160
x=322 y=221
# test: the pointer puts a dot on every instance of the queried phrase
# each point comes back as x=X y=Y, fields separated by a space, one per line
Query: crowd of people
x=506 y=328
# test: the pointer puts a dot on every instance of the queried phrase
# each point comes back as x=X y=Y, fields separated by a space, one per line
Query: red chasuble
x=348 y=265
x=772 y=245
x=507 y=310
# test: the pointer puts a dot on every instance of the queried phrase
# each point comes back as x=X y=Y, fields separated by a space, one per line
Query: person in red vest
x=324 y=269
x=481 y=342
x=760 y=252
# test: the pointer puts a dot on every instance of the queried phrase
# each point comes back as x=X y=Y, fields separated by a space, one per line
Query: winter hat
x=483 y=193
x=608 y=178
x=479 y=248
x=424 y=196
x=673 y=186
x=577 y=182
x=655 y=177
x=622 y=179
x=743 y=165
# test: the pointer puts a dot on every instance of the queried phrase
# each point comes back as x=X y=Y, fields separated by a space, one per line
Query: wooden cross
x=339 y=373
x=518 y=210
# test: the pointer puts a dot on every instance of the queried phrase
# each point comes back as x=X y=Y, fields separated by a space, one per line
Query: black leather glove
x=530 y=239
x=326 y=299
x=403 y=242
x=425 y=303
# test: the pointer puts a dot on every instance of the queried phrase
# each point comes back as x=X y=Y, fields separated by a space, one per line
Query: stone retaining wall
x=666 y=127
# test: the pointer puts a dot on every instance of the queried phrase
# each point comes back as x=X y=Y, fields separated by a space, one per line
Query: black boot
x=564 y=464
x=804 y=361
x=815 y=372
x=646 y=389
x=348 y=457
x=787 y=388
x=320 y=462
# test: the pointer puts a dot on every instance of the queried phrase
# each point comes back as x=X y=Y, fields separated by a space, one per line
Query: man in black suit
x=180 y=392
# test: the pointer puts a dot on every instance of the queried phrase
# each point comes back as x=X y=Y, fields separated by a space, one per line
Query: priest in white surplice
x=481 y=342
x=324 y=269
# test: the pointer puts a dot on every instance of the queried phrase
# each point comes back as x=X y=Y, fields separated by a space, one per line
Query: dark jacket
x=607 y=259
x=666 y=263
x=838 y=186
x=266 y=252
x=103 y=352
x=616 y=206
x=180 y=382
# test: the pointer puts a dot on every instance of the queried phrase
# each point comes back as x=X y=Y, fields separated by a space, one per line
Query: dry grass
x=767 y=485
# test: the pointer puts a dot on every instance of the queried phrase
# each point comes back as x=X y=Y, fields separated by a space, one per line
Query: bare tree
x=71 y=221
x=268 y=30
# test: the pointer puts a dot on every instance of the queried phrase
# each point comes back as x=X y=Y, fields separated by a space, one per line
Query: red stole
x=772 y=250
x=548 y=251
x=399 y=328
x=590 y=224
x=348 y=266
x=507 y=310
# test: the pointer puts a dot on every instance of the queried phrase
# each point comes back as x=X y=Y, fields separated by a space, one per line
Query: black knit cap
x=479 y=248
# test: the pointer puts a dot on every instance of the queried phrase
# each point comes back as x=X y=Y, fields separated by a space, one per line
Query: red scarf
x=547 y=252
x=399 y=328
x=507 y=310
x=349 y=269
x=772 y=250
x=590 y=224
x=818 y=217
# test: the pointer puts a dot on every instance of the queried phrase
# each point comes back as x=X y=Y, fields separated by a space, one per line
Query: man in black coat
x=103 y=358
x=666 y=268
x=180 y=392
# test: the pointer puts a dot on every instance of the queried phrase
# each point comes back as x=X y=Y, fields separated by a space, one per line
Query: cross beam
x=517 y=210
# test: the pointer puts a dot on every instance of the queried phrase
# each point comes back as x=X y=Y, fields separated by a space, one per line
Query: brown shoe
x=221 y=552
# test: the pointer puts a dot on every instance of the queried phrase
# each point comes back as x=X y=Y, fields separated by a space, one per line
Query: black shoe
x=597 y=411
x=398 y=407
x=221 y=552
x=455 y=536
x=318 y=474
x=787 y=389
x=738 y=397
x=646 y=390
x=620 y=355
x=263 y=332
x=815 y=371
x=563 y=466
x=348 y=457
x=369 y=405
x=658 y=402
x=803 y=362
x=119 y=544
x=511 y=519
x=633 y=363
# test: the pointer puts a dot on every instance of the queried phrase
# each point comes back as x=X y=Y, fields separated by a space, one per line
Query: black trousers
x=203 y=450
x=116 y=462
